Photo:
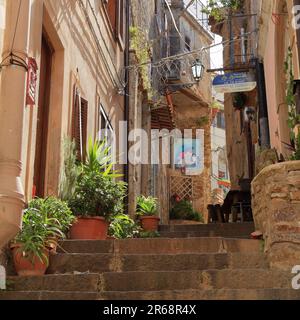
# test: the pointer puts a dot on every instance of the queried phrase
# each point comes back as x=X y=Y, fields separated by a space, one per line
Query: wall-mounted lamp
x=198 y=70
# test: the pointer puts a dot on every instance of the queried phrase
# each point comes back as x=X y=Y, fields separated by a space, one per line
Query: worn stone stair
x=187 y=268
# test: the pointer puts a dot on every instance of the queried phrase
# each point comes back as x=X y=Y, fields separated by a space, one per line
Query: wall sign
x=31 y=82
x=189 y=156
x=234 y=82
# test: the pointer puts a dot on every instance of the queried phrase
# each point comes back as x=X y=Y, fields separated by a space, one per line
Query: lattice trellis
x=182 y=186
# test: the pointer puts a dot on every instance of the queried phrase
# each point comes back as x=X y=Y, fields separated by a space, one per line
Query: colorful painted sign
x=189 y=155
x=234 y=82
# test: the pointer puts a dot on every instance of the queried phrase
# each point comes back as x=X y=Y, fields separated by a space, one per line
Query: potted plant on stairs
x=97 y=197
x=31 y=246
x=147 y=210
x=59 y=211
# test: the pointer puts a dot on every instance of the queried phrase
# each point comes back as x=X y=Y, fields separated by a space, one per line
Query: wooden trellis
x=182 y=186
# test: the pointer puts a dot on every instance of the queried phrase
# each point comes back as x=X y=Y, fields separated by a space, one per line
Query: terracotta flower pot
x=29 y=267
x=52 y=245
x=89 y=228
x=150 y=223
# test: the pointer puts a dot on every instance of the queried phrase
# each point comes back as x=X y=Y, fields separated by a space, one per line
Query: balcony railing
x=196 y=8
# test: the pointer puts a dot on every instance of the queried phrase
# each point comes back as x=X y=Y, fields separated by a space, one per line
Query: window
x=105 y=130
x=187 y=45
x=115 y=11
x=220 y=120
x=79 y=124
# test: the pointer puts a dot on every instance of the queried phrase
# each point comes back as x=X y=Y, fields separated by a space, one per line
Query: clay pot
x=25 y=266
x=150 y=223
x=89 y=228
x=52 y=245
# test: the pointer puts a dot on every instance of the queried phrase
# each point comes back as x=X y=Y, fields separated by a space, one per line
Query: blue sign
x=234 y=82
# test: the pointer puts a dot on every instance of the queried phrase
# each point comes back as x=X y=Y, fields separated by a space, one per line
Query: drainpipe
x=297 y=82
x=126 y=98
x=264 y=131
x=12 y=98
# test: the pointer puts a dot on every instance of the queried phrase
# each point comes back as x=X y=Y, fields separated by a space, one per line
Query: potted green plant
x=97 y=197
x=183 y=210
x=147 y=210
x=123 y=227
x=30 y=248
x=59 y=211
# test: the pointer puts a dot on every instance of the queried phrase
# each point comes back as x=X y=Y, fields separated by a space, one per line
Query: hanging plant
x=239 y=100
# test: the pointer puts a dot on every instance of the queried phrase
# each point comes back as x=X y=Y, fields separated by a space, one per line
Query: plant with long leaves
x=146 y=206
x=37 y=234
x=56 y=209
x=97 y=192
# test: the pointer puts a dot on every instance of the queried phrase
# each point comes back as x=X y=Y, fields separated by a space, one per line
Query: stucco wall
x=76 y=60
x=276 y=210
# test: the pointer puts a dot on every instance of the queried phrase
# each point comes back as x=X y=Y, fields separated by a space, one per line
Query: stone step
x=155 y=281
x=163 y=246
x=236 y=227
x=198 y=280
x=63 y=263
x=213 y=294
x=233 y=230
x=67 y=282
x=195 y=234
x=221 y=294
x=49 y=295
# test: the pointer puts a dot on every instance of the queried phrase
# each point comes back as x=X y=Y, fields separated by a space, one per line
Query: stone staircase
x=220 y=263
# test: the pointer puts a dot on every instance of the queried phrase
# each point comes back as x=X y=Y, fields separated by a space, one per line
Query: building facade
x=77 y=51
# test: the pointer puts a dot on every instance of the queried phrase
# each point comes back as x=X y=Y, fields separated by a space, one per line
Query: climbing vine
x=219 y=8
x=294 y=117
x=142 y=48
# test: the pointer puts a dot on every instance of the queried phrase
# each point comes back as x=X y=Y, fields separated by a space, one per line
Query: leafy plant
x=183 y=210
x=149 y=234
x=202 y=121
x=218 y=8
x=122 y=227
x=97 y=193
x=146 y=206
x=239 y=100
x=294 y=117
x=139 y=43
x=37 y=234
x=69 y=171
x=56 y=209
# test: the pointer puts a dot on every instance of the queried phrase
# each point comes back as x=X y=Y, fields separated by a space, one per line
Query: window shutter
x=84 y=122
x=79 y=124
x=75 y=121
x=111 y=8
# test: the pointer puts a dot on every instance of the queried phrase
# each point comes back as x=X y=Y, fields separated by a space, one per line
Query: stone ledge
x=276 y=211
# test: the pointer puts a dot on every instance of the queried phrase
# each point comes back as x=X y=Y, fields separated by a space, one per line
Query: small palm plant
x=146 y=206
x=147 y=211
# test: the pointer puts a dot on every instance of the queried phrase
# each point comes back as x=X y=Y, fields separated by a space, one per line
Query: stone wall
x=276 y=210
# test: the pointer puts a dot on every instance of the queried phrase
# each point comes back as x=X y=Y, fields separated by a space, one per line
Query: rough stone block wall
x=276 y=210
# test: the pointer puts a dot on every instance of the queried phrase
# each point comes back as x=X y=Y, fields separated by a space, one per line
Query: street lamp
x=198 y=70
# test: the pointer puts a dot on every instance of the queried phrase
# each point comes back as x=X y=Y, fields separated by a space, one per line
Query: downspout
x=126 y=98
x=264 y=131
x=12 y=105
x=297 y=82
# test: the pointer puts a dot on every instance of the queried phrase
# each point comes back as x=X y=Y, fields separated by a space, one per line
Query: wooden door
x=43 y=119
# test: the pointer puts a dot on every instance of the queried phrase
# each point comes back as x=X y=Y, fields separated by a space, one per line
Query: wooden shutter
x=84 y=122
x=79 y=124
x=111 y=9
